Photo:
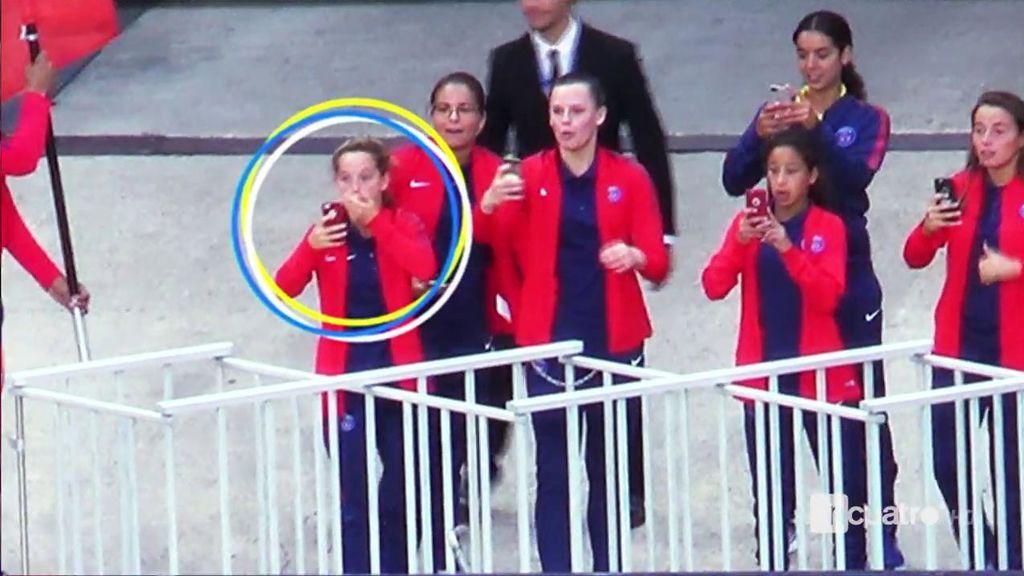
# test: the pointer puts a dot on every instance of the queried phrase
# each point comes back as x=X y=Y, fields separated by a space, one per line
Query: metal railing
x=228 y=465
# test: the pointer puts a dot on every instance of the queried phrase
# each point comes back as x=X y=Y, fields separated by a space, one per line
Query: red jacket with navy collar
x=920 y=250
x=627 y=211
x=819 y=270
x=403 y=252
x=419 y=187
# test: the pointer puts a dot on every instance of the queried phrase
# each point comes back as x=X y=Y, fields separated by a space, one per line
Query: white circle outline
x=248 y=239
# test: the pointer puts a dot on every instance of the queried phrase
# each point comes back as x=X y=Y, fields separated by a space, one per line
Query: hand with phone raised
x=945 y=210
x=776 y=114
x=332 y=228
x=507 y=185
x=754 y=216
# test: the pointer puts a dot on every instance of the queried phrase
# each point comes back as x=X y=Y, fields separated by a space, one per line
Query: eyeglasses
x=446 y=110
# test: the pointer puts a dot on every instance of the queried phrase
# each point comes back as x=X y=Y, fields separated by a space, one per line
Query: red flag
x=68 y=31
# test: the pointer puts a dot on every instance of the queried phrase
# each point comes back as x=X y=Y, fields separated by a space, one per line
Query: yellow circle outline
x=371 y=103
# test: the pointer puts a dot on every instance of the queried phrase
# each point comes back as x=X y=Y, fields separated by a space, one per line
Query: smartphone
x=779 y=93
x=944 y=188
x=512 y=162
x=757 y=200
x=335 y=211
x=511 y=167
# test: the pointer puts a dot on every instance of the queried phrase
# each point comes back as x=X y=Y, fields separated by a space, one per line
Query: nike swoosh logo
x=330 y=258
x=872 y=316
x=418 y=184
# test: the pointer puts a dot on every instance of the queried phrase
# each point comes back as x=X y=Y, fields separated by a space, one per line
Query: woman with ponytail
x=854 y=137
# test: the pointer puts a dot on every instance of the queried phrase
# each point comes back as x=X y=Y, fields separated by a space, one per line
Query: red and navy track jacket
x=921 y=249
x=818 y=268
x=627 y=210
x=19 y=156
x=418 y=187
x=854 y=141
x=403 y=252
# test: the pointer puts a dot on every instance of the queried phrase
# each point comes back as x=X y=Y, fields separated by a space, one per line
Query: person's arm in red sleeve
x=20 y=152
x=647 y=231
x=921 y=247
x=722 y=272
x=483 y=226
x=18 y=239
x=297 y=271
x=822 y=274
x=401 y=234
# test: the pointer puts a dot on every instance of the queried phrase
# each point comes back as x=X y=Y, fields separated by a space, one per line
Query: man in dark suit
x=520 y=78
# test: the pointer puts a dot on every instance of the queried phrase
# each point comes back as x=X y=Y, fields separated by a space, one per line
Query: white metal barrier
x=206 y=472
x=1000 y=393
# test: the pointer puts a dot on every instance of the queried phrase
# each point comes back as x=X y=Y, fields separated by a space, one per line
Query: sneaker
x=637 y=513
x=893 y=556
x=791 y=547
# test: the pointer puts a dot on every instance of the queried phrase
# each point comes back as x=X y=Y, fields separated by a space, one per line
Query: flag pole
x=31 y=35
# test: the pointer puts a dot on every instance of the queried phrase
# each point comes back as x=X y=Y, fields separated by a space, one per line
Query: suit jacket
x=515 y=99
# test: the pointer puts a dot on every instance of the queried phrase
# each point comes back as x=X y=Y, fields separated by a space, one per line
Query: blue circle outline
x=454 y=207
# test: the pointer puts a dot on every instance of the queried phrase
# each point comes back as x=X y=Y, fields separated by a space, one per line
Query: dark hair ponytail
x=838 y=30
x=805 y=143
x=854 y=82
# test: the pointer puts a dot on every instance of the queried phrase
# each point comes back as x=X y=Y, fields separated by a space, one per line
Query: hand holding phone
x=334 y=212
x=944 y=188
x=945 y=209
x=511 y=165
x=332 y=229
x=754 y=216
x=507 y=185
x=512 y=173
x=772 y=118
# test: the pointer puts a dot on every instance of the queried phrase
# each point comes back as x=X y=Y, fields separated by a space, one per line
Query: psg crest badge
x=846 y=136
x=817 y=245
x=348 y=423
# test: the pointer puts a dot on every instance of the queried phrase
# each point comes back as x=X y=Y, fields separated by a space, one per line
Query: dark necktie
x=556 y=67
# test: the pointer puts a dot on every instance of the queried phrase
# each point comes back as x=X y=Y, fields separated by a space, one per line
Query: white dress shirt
x=566 y=47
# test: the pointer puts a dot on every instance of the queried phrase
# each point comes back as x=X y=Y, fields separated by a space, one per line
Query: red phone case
x=758 y=201
x=340 y=216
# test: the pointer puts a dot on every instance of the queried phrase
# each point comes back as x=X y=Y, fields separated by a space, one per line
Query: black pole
x=31 y=35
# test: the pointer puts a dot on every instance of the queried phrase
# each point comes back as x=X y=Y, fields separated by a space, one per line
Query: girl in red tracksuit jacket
x=980 y=314
x=583 y=223
x=365 y=267
x=792 y=269
x=471 y=322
